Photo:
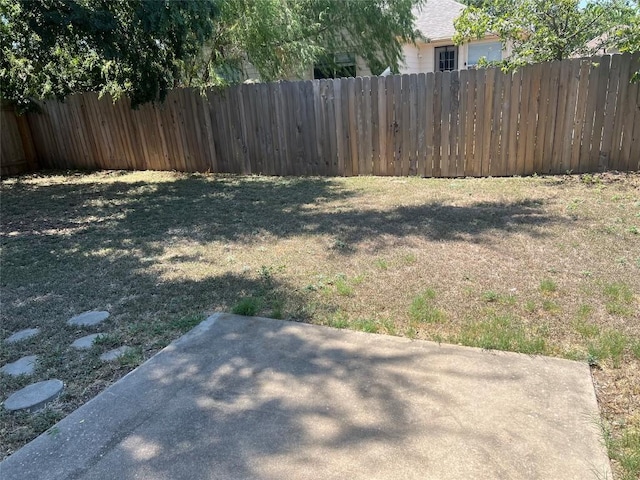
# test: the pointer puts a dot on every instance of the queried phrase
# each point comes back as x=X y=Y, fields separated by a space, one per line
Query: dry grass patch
x=538 y=265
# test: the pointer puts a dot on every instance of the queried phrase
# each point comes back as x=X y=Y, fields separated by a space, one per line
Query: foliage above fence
x=577 y=115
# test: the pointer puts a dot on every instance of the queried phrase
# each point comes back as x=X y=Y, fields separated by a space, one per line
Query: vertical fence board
x=353 y=130
x=413 y=126
x=478 y=151
x=630 y=133
x=462 y=122
x=561 y=107
x=405 y=126
x=429 y=125
x=514 y=112
x=437 y=124
x=445 y=121
x=578 y=119
x=634 y=145
x=340 y=138
x=456 y=168
x=470 y=124
x=598 y=123
x=362 y=169
x=548 y=165
x=609 y=113
x=331 y=130
x=375 y=130
x=420 y=126
x=366 y=125
x=573 y=84
x=592 y=97
x=488 y=114
x=505 y=131
x=496 y=124
x=398 y=126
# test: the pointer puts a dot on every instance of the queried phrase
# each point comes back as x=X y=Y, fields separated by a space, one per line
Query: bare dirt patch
x=545 y=265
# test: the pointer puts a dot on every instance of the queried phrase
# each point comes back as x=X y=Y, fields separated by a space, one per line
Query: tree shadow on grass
x=240 y=209
x=85 y=245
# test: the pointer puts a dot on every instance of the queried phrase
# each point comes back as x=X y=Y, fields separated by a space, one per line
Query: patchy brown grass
x=539 y=265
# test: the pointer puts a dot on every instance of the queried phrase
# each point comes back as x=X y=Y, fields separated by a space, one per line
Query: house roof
x=435 y=18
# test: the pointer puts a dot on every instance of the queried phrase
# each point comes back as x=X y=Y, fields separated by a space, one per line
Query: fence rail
x=578 y=115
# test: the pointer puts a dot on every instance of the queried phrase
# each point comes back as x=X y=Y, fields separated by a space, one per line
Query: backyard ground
x=540 y=265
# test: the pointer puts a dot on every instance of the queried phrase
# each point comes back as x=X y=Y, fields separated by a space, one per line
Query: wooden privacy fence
x=577 y=115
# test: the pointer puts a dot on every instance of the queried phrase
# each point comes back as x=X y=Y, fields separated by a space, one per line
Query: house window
x=491 y=52
x=336 y=66
x=446 y=58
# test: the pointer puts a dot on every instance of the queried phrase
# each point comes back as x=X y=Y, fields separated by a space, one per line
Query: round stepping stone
x=115 y=353
x=86 y=342
x=22 y=335
x=23 y=366
x=88 y=319
x=35 y=396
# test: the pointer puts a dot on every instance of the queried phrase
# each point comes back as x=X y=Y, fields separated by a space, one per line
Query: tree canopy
x=143 y=48
x=51 y=48
x=544 y=30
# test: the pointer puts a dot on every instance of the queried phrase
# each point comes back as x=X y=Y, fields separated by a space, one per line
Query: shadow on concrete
x=269 y=399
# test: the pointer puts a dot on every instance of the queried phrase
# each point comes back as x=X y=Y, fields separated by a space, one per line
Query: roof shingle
x=435 y=18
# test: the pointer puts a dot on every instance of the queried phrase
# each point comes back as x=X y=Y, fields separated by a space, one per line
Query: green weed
x=624 y=449
x=409 y=259
x=490 y=296
x=550 y=306
x=382 y=264
x=586 y=330
x=343 y=288
x=248 y=306
x=339 y=320
x=548 y=286
x=131 y=358
x=619 y=299
x=422 y=309
x=366 y=325
x=501 y=333
x=584 y=311
x=608 y=345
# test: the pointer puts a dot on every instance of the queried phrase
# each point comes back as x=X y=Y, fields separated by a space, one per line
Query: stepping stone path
x=23 y=366
x=22 y=335
x=35 y=396
x=115 y=353
x=89 y=319
x=86 y=342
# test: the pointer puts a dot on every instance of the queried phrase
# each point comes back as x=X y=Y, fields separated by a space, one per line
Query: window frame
x=336 y=65
x=483 y=44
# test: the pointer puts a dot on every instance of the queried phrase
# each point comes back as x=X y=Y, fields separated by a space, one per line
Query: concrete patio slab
x=253 y=398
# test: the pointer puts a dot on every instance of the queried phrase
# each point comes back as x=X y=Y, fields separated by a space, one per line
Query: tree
x=283 y=38
x=626 y=37
x=542 y=30
x=51 y=48
x=142 y=48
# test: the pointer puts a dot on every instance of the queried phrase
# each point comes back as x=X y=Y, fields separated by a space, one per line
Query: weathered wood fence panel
x=17 y=151
x=579 y=115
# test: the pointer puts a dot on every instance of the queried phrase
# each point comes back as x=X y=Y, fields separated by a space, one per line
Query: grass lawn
x=541 y=265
